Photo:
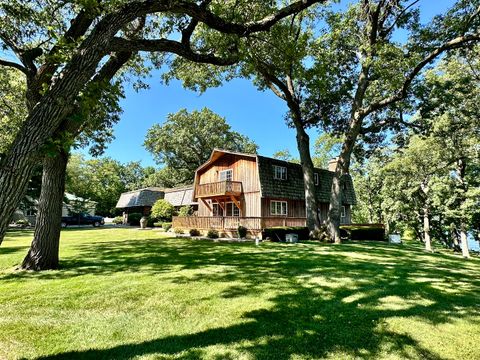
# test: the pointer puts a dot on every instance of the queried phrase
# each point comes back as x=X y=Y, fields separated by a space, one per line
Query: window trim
x=234 y=206
x=316 y=178
x=274 y=213
x=219 y=209
x=343 y=211
x=226 y=171
x=283 y=168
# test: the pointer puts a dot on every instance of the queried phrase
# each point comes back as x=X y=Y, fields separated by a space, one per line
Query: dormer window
x=316 y=178
x=225 y=175
x=279 y=172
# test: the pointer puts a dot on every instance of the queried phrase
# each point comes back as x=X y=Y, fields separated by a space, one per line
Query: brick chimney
x=332 y=164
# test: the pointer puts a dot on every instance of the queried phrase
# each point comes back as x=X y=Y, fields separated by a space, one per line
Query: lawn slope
x=124 y=293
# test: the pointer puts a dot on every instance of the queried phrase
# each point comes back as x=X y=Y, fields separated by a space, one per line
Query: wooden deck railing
x=232 y=223
x=219 y=188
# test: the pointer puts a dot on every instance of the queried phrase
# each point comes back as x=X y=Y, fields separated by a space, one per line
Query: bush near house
x=162 y=209
x=151 y=221
x=134 y=219
x=374 y=232
x=185 y=211
x=194 y=232
x=22 y=222
x=278 y=233
x=118 y=220
x=242 y=232
x=212 y=234
x=178 y=231
x=157 y=224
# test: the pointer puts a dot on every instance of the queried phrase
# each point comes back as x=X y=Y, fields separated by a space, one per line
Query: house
x=257 y=192
x=142 y=200
x=71 y=203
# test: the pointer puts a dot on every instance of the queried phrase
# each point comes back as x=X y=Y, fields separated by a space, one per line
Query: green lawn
x=125 y=293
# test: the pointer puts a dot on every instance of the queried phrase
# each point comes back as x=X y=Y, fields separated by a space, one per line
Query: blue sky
x=258 y=115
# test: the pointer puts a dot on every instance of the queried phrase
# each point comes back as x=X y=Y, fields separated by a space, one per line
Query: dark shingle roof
x=180 y=196
x=141 y=197
x=293 y=187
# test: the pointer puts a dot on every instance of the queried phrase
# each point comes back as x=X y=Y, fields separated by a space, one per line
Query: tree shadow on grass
x=329 y=299
x=302 y=323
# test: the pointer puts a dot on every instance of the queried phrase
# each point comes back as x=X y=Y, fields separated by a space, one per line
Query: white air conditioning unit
x=291 y=238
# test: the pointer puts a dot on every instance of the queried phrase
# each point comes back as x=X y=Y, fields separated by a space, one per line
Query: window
x=279 y=172
x=225 y=175
x=217 y=210
x=232 y=209
x=316 y=178
x=278 y=207
x=344 y=212
x=32 y=211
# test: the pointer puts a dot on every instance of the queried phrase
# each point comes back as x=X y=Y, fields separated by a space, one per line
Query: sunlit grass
x=125 y=293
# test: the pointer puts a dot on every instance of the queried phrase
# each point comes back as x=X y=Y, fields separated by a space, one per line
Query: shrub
x=134 y=219
x=194 y=232
x=186 y=210
x=157 y=224
x=278 y=233
x=366 y=232
x=151 y=221
x=22 y=222
x=162 y=209
x=118 y=220
x=242 y=232
x=178 y=231
x=212 y=234
x=167 y=226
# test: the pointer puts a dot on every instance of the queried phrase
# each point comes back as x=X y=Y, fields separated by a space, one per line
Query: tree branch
x=386 y=31
x=215 y=22
x=402 y=93
x=165 y=45
x=13 y=65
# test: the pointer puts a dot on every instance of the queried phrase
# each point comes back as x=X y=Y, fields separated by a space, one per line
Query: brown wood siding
x=323 y=213
x=250 y=205
x=295 y=208
x=244 y=170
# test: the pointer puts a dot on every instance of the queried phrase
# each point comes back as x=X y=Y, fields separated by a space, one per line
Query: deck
x=232 y=223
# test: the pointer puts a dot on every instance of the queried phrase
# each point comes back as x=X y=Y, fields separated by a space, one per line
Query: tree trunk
x=311 y=207
x=464 y=241
x=454 y=235
x=426 y=229
x=43 y=253
x=342 y=169
x=333 y=222
x=462 y=185
x=17 y=165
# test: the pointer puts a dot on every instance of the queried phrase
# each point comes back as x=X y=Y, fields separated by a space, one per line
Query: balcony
x=219 y=188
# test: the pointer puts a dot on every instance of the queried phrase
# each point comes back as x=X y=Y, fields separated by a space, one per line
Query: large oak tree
x=63 y=48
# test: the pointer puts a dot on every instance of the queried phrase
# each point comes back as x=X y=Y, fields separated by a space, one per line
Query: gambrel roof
x=140 y=197
x=180 y=196
x=293 y=186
